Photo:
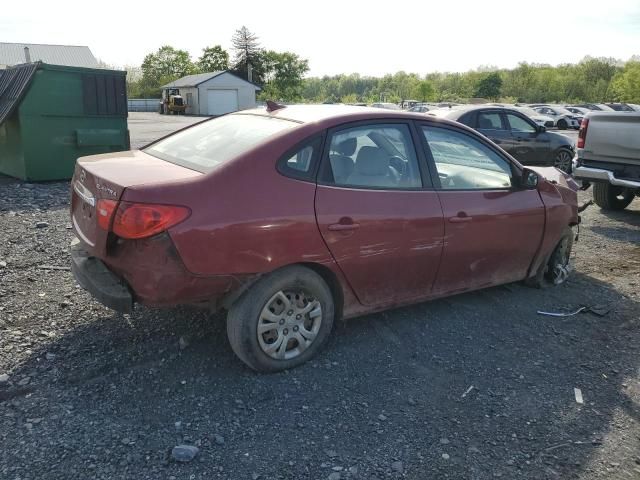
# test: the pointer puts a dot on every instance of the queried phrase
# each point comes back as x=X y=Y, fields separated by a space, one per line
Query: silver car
x=577 y=111
x=563 y=118
x=387 y=105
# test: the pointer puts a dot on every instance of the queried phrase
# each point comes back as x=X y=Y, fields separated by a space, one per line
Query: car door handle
x=460 y=219
x=343 y=227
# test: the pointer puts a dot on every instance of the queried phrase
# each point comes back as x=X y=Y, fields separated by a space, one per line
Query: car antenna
x=273 y=106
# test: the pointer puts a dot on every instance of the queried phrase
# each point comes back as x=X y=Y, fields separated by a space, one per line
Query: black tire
x=562 y=159
x=556 y=268
x=562 y=124
x=244 y=316
x=610 y=197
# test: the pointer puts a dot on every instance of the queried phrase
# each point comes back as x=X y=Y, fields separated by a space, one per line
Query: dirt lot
x=476 y=386
x=145 y=127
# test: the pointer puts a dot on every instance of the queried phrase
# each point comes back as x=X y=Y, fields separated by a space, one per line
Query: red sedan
x=292 y=217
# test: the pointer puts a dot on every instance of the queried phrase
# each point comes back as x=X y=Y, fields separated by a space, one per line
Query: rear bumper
x=94 y=276
x=601 y=175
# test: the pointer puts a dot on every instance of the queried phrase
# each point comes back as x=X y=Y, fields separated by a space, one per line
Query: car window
x=464 y=163
x=519 y=124
x=489 y=121
x=301 y=160
x=205 y=146
x=374 y=156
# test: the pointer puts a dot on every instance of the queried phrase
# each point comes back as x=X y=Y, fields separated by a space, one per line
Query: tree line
x=280 y=74
x=591 y=80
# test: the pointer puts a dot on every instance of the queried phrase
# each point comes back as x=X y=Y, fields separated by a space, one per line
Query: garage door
x=220 y=102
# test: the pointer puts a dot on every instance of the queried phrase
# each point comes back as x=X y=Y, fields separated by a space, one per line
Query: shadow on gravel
x=628 y=234
x=630 y=215
x=473 y=386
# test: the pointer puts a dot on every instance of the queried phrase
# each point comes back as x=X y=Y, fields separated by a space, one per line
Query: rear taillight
x=104 y=211
x=582 y=133
x=139 y=220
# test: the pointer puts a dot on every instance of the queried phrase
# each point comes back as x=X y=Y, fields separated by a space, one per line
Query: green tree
x=247 y=52
x=283 y=72
x=626 y=84
x=213 y=59
x=350 y=98
x=425 y=91
x=489 y=86
x=167 y=62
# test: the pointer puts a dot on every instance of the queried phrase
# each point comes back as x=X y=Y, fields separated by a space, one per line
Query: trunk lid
x=106 y=177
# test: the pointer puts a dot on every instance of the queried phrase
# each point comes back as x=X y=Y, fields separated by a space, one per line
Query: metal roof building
x=67 y=55
x=214 y=93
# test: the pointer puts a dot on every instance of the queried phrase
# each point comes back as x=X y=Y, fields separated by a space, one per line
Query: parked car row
x=519 y=135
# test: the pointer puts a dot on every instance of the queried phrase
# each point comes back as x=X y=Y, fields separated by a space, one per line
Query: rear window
x=210 y=144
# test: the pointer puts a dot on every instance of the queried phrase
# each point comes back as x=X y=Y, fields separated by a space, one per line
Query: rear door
x=492 y=228
x=378 y=213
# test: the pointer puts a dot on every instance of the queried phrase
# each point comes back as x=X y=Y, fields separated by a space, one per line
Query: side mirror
x=541 y=129
x=529 y=180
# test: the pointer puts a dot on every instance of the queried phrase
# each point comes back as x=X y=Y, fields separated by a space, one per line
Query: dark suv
x=516 y=133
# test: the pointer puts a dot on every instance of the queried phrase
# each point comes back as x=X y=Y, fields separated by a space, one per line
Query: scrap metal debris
x=468 y=391
x=562 y=314
x=585 y=206
x=600 y=310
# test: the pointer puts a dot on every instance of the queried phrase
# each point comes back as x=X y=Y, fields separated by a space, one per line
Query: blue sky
x=367 y=37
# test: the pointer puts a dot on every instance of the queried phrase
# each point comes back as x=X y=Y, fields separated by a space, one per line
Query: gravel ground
x=475 y=386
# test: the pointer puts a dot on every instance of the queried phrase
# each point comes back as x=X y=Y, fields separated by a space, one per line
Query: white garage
x=215 y=93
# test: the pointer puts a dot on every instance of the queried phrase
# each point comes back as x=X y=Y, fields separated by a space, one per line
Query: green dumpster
x=50 y=115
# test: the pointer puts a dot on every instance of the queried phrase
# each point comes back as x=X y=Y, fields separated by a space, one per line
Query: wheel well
x=327 y=275
x=560 y=149
x=333 y=283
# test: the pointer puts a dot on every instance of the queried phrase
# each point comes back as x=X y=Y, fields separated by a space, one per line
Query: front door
x=378 y=214
x=492 y=228
x=530 y=146
x=491 y=124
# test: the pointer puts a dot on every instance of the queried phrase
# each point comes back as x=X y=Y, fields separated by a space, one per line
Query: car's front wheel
x=562 y=124
x=559 y=265
x=557 y=268
x=282 y=321
x=562 y=160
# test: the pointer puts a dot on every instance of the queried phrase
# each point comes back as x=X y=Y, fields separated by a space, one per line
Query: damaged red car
x=292 y=217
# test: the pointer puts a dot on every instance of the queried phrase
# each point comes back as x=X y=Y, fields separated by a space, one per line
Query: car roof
x=331 y=114
x=457 y=111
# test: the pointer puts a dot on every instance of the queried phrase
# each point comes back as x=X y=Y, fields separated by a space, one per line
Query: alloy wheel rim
x=563 y=161
x=288 y=324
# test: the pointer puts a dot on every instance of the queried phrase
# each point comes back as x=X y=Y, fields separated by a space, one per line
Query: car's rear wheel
x=611 y=197
x=562 y=124
x=282 y=321
x=562 y=160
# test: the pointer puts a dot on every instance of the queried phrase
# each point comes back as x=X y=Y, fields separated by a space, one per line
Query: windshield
x=210 y=144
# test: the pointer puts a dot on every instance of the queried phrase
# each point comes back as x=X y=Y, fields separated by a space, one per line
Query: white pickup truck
x=608 y=156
